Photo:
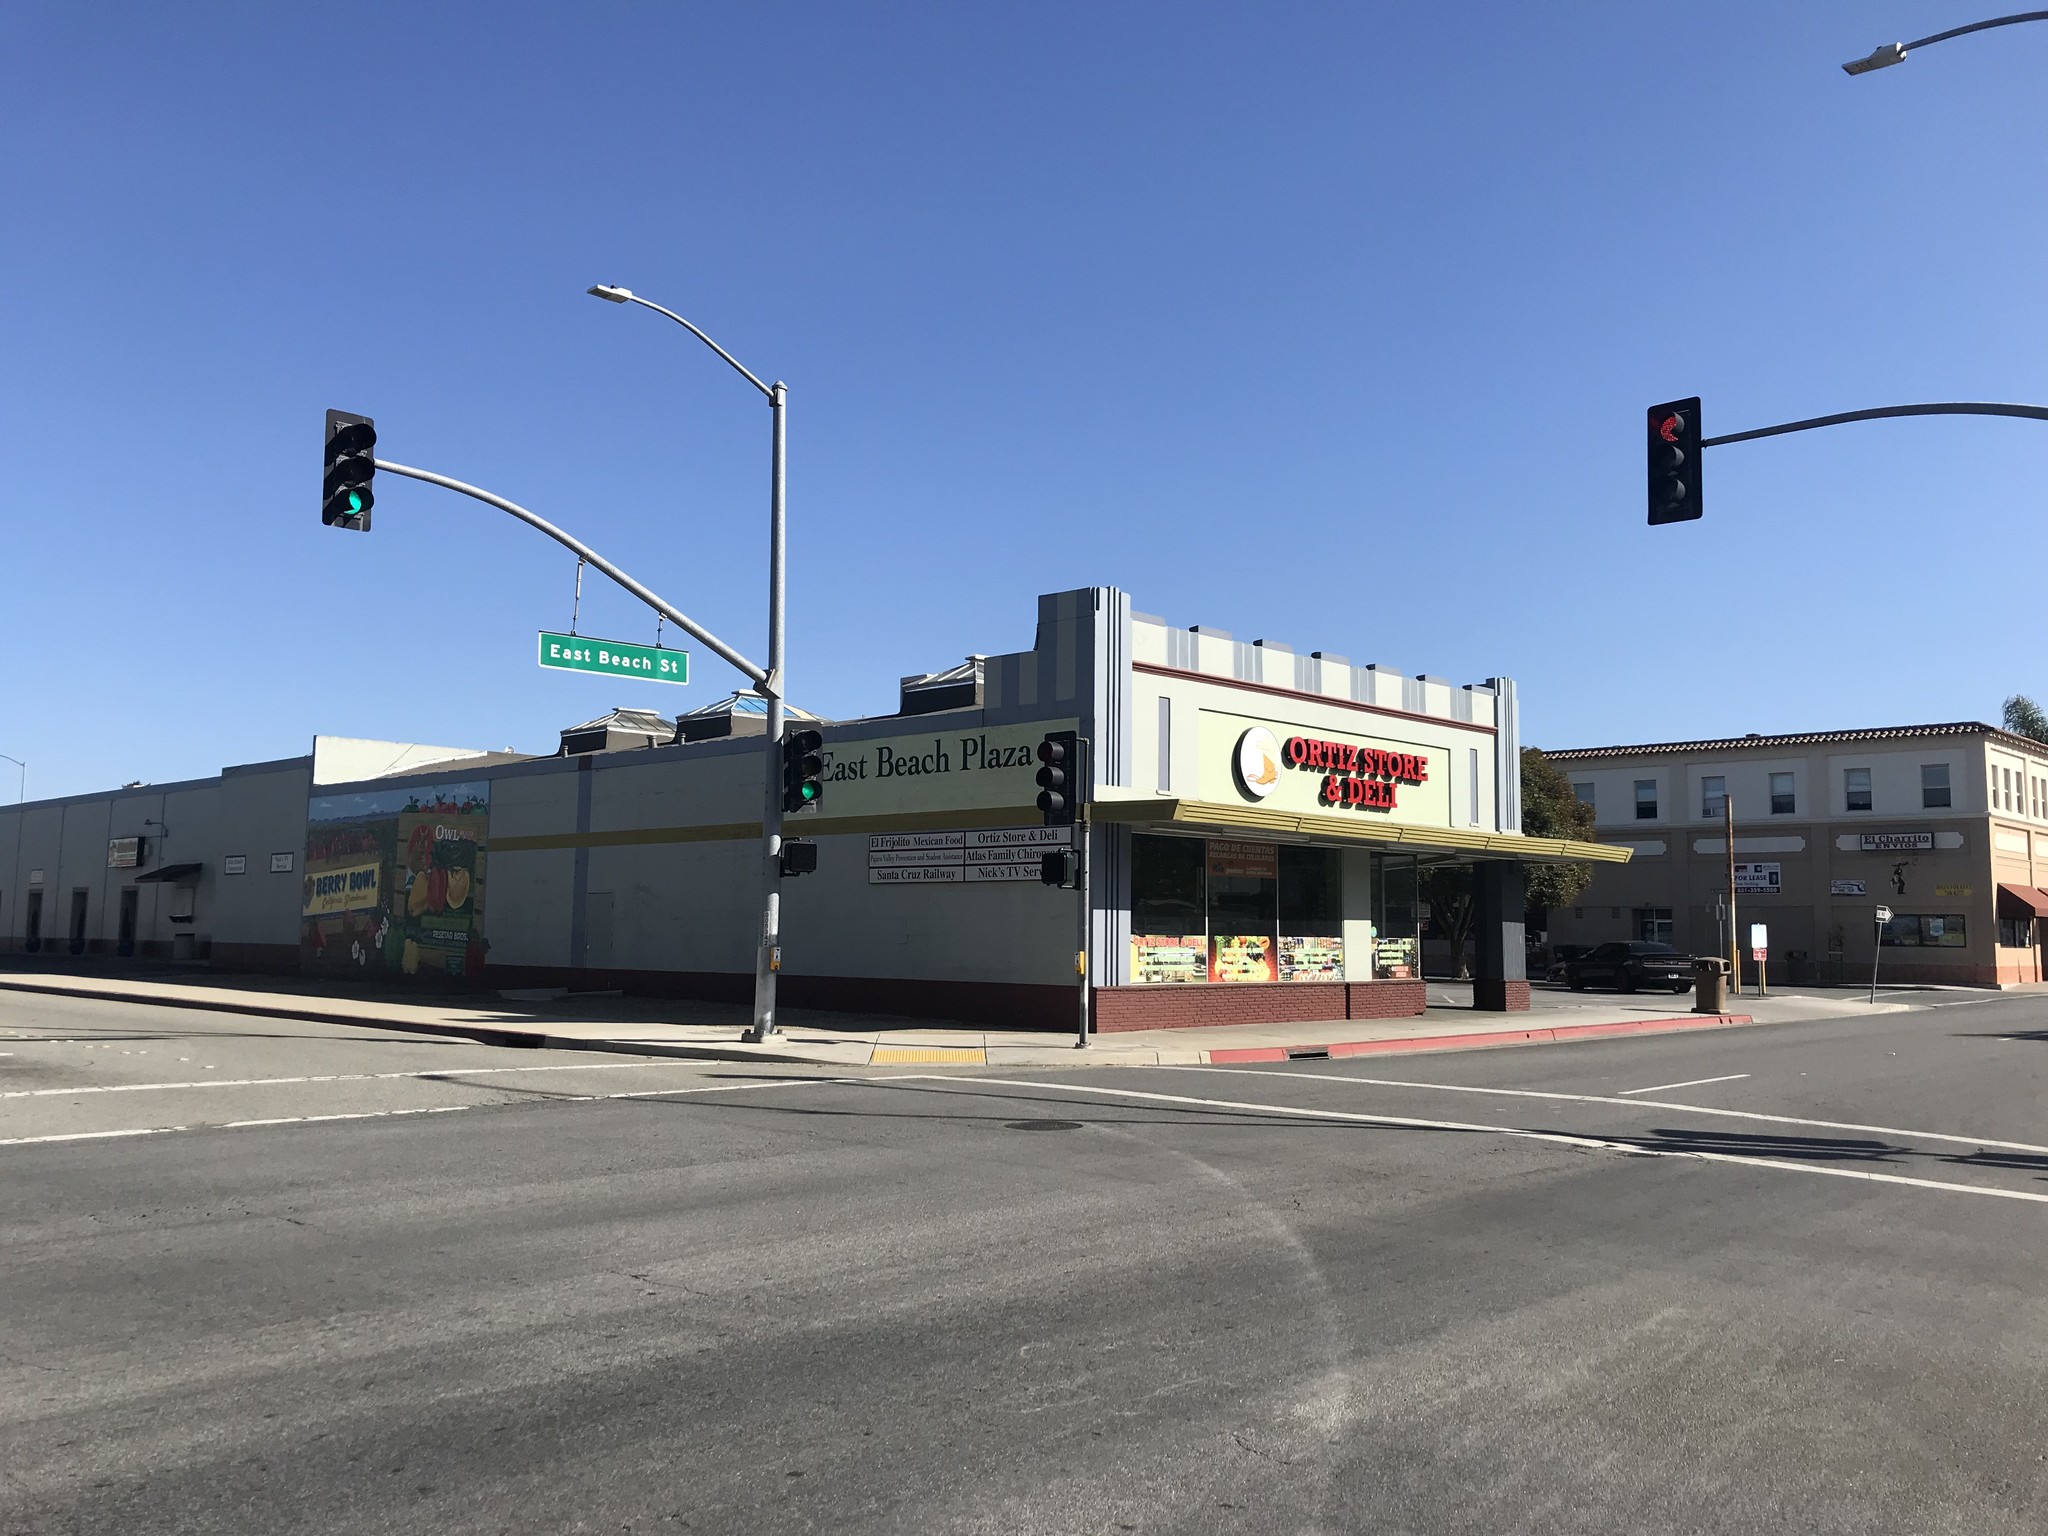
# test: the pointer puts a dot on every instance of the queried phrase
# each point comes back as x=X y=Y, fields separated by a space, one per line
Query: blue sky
x=1332 y=325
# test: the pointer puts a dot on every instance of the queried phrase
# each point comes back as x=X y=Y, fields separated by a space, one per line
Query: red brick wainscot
x=1197 y=1004
x=1500 y=996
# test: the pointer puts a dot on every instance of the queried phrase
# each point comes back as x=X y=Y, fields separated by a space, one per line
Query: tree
x=1550 y=808
x=2023 y=717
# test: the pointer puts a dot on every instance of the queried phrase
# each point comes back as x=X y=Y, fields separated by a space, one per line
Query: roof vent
x=955 y=688
x=619 y=731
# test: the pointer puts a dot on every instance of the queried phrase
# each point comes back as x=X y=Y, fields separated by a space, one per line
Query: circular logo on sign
x=1258 y=762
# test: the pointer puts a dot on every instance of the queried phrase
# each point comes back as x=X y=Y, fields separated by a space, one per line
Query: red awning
x=2022 y=901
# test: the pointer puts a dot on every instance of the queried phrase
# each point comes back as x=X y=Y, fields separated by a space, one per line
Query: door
x=78 y=901
x=34 y=930
x=597 y=941
x=131 y=900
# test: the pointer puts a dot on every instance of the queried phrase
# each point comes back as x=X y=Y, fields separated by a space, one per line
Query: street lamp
x=1887 y=54
x=768 y=958
x=21 y=794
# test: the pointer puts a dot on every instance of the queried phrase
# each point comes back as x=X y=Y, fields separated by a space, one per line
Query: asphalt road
x=1561 y=1289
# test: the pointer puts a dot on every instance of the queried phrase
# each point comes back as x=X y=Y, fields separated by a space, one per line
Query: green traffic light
x=355 y=502
x=809 y=791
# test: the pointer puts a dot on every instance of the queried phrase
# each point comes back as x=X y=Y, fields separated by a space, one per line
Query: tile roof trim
x=1801 y=739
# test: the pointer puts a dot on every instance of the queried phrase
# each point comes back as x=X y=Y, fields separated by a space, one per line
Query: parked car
x=1630 y=965
x=1561 y=957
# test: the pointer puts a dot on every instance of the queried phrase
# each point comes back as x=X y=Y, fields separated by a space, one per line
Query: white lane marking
x=1595 y=1098
x=388 y=1114
x=1691 y=1082
x=1558 y=1138
x=154 y=1130
x=450 y=1073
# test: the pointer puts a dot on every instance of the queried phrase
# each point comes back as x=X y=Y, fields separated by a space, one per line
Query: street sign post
x=1884 y=915
x=1760 y=952
x=614 y=658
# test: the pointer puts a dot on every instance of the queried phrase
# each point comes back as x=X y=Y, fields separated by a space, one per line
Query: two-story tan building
x=1945 y=825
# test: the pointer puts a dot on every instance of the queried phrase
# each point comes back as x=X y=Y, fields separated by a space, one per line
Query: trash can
x=1710 y=985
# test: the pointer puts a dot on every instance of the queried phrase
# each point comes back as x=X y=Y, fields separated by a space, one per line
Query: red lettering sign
x=1363 y=778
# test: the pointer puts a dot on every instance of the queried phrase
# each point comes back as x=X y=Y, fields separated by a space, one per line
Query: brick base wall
x=1197 y=1005
x=1500 y=996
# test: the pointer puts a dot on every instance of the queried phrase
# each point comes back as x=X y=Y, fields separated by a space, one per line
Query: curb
x=1561 y=1035
x=487 y=1034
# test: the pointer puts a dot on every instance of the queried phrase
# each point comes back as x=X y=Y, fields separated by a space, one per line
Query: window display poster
x=1241 y=956
x=1394 y=960
x=1169 y=957
x=1305 y=958
x=1232 y=860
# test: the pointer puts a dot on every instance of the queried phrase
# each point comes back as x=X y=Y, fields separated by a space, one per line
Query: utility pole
x=1734 y=932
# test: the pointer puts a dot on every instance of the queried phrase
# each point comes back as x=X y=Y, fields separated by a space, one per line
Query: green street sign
x=614 y=658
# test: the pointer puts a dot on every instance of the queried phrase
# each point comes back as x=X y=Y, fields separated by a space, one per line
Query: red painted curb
x=1480 y=1041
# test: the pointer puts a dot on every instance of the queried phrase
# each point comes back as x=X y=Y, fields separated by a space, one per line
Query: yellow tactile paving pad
x=901 y=1055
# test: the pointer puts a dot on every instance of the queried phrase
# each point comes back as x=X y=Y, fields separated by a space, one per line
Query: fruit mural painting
x=394 y=882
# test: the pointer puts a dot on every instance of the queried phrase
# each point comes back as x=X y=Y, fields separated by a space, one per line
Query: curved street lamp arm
x=1976 y=26
x=660 y=605
x=738 y=367
x=1940 y=408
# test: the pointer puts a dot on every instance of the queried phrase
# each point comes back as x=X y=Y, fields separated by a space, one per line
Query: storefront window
x=1244 y=882
x=1169 y=929
x=1912 y=930
x=1396 y=954
x=1311 y=915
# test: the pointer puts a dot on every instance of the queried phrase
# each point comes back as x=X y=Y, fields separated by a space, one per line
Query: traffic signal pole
x=768 y=961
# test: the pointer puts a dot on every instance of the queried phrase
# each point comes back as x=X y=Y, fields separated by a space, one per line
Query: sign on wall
x=1320 y=772
x=1847 y=888
x=986 y=768
x=234 y=863
x=1896 y=842
x=124 y=852
x=394 y=881
x=986 y=856
x=1758 y=879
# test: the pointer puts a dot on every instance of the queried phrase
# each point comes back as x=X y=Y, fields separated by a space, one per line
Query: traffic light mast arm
x=760 y=679
x=1939 y=408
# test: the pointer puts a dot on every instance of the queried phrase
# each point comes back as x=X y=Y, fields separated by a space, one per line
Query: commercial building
x=1946 y=825
x=1258 y=818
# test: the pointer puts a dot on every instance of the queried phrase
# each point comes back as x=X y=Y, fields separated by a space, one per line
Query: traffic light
x=345 y=495
x=1674 y=439
x=803 y=769
x=798 y=857
x=1062 y=866
x=1059 y=777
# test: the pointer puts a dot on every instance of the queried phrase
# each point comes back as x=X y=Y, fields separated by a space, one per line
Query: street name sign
x=614 y=658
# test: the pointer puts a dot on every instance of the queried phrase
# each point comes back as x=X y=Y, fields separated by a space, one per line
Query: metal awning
x=171 y=874
x=2022 y=901
x=1351 y=829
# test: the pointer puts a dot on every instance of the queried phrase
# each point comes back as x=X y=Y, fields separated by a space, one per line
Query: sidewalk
x=667 y=1027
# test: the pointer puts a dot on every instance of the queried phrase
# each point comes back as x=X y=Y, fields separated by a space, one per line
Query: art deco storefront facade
x=1258 y=820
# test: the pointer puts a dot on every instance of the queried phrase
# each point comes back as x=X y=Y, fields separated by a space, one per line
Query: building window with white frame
x=1714 y=796
x=1646 y=799
x=1165 y=745
x=1933 y=786
x=1654 y=925
x=1856 y=789
x=1475 y=785
x=1784 y=799
x=1584 y=791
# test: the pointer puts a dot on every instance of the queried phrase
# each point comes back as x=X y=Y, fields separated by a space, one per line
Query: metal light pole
x=1887 y=54
x=21 y=795
x=768 y=957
